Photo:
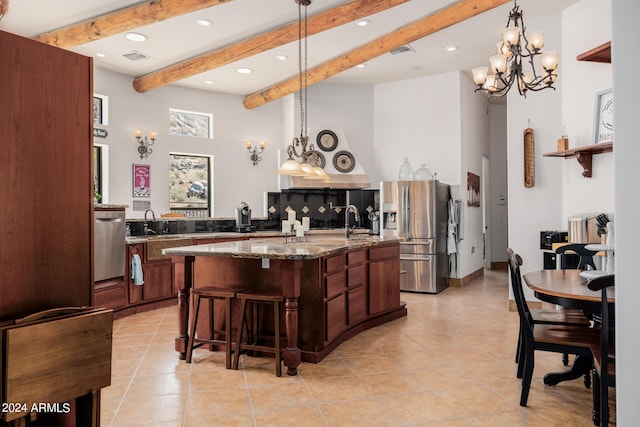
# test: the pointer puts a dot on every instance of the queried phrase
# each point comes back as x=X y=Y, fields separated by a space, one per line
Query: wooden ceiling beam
x=288 y=33
x=430 y=24
x=122 y=20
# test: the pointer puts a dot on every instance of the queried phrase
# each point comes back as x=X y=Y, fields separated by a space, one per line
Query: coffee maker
x=243 y=218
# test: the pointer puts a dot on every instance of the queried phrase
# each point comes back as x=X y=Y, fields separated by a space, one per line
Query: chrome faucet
x=147 y=230
x=348 y=231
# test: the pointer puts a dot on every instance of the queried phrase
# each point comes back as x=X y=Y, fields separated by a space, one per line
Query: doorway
x=485 y=183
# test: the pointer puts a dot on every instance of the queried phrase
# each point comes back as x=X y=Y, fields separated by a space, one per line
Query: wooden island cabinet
x=334 y=288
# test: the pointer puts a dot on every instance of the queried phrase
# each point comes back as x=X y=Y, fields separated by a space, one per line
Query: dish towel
x=136 y=270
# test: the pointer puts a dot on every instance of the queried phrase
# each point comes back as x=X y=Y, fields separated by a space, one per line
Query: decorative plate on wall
x=316 y=159
x=344 y=161
x=327 y=140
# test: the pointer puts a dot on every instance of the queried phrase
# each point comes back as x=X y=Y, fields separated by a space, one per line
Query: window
x=189 y=192
x=97 y=174
x=190 y=123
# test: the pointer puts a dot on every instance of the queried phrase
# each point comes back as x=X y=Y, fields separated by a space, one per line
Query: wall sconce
x=255 y=154
x=145 y=143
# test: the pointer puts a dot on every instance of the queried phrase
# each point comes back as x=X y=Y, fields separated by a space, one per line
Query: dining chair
x=562 y=316
x=585 y=255
x=567 y=339
x=603 y=352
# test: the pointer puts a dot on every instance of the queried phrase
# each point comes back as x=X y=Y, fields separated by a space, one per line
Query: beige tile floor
x=450 y=362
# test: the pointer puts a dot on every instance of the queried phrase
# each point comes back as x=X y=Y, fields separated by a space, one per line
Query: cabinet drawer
x=355 y=276
x=384 y=252
x=334 y=264
x=335 y=284
x=355 y=257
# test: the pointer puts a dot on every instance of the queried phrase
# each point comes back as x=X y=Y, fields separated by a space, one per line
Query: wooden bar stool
x=211 y=293
x=256 y=299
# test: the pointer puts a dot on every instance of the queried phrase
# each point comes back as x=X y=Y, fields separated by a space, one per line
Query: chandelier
x=302 y=155
x=515 y=51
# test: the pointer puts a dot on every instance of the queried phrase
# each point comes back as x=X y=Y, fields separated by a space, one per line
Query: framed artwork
x=100 y=109
x=141 y=205
x=603 y=118
x=190 y=123
x=473 y=190
x=141 y=181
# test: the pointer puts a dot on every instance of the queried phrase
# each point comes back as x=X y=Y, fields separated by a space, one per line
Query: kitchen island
x=333 y=287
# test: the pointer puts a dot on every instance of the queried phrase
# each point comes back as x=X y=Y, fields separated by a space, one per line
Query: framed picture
x=603 y=120
x=141 y=181
x=190 y=123
x=100 y=109
x=473 y=189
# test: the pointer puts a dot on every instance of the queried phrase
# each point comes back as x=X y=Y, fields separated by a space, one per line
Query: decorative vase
x=423 y=174
x=406 y=171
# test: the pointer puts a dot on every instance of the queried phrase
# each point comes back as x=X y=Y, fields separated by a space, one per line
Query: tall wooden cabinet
x=46 y=203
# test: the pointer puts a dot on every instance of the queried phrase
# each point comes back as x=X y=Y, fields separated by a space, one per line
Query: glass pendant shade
x=498 y=63
x=536 y=40
x=490 y=83
x=550 y=60
x=511 y=35
x=290 y=167
x=480 y=75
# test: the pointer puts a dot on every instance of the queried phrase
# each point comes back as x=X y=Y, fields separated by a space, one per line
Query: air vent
x=136 y=56
x=402 y=49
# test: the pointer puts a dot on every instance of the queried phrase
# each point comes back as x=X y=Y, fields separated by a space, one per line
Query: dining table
x=568 y=288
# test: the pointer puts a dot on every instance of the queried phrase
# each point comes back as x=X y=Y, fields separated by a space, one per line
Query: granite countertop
x=232 y=234
x=312 y=247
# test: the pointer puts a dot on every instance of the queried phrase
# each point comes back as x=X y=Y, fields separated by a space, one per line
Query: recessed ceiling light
x=363 y=23
x=451 y=48
x=101 y=54
x=204 y=22
x=281 y=57
x=208 y=82
x=136 y=37
x=244 y=70
x=361 y=65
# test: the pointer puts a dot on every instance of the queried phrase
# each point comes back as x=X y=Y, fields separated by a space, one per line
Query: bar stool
x=256 y=299
x=211 y=293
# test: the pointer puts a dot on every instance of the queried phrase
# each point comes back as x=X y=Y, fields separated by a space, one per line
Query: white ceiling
x=180 y=38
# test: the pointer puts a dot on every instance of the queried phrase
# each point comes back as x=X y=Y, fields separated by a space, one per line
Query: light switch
x=266 y=263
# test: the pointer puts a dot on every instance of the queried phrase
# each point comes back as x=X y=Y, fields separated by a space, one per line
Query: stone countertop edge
x=232 y=234
x=278 y=249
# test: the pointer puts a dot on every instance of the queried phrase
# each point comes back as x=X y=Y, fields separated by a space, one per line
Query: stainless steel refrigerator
x=416 y=211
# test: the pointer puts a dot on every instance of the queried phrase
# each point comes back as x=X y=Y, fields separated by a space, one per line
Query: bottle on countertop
x=406 y=171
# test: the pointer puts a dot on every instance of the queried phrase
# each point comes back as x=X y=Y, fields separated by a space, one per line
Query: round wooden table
x=568 y=289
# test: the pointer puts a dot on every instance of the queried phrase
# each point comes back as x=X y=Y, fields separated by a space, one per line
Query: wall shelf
x=601 y=53
x=584 y=155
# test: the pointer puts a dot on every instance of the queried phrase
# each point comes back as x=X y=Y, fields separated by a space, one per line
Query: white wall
x=474 y=132
x=419 y=119
x=591 y=19
x=532 y=210
x=626 y=33
x=235 y=179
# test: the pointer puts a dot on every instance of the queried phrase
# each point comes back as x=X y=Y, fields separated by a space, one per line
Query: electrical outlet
x=473 y=249
x=266 y=263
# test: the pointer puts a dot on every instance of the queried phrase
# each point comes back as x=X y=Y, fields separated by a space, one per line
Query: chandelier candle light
x=144 y=149
x=515 y=50
x=300 y=148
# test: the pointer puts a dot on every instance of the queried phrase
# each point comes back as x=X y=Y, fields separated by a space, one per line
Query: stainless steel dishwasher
x=109 y=244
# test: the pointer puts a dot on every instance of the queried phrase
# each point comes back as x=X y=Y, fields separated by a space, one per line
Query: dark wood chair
x=585 y=255
x=254 y=342
x=567 y=339
x=603 y=351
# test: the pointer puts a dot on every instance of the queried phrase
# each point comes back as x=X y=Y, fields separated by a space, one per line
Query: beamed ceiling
x=252 y=33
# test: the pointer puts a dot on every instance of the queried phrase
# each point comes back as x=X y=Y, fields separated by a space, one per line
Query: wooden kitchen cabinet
x=383 y=271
